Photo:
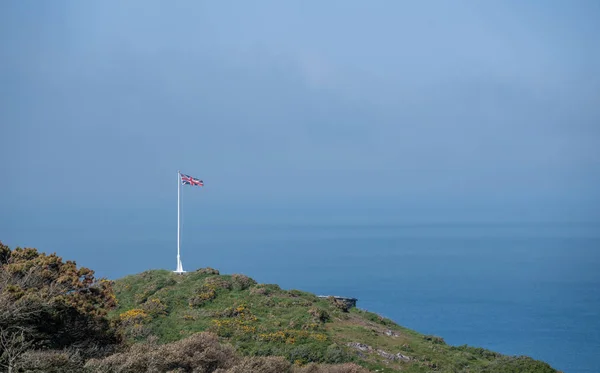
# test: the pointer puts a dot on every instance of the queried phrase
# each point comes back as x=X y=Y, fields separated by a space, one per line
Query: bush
x=264 y=289
x=319 y=314
x=133 y=317
x=306 y=353
x=53 y=302
x=434 y=339
x=242 y=282
x=335 y=354
x=51 y=362
x=340 y=304
x=270 y=364
x=319 y=368
x=154 y=307
x=297 y=293
x=200 y=352
x=208 y=291
x=204 y=296
x=259 y=290
x=218 y=282
x=208 y=271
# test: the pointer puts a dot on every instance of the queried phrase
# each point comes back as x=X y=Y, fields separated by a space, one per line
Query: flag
x=188 y=180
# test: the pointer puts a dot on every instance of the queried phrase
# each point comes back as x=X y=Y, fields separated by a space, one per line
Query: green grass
x=262 y=319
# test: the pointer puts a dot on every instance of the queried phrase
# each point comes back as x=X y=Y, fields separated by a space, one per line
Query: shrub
x=319 y=314
x=296 y=293
x=204 y=296
x=335 y=354
x=320 y=368
x=240 y=310
x=208 y=271
x=270 y=364
x=154 y=307
x=208 y=290
x=200 y=352
x=434 y=339
x=53 y=302
x=306 y=353
x=242 y=282
x=133 y=316
x=217 y=282
x=51 y=362
x=265 y=289
x=340 y=304
x=259 y=290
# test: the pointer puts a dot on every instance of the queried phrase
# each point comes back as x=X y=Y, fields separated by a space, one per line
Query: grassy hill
x=265 y=320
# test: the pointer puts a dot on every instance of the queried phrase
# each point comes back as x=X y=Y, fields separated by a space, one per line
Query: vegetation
x=264 y=320
x=200 y=352
x=46 y=303
x=55 y=317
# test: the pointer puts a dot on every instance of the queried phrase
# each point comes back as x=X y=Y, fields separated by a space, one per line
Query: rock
x=402 y=357
x=391 y=333
x=386 y=355
x=390 y=356
x=360 y=346
x=366 y=348
x=343 y=303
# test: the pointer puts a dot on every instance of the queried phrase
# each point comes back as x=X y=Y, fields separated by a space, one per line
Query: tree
x=48 y=303
x=12 y=345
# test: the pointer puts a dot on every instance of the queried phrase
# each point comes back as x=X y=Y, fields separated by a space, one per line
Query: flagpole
x=179 y=266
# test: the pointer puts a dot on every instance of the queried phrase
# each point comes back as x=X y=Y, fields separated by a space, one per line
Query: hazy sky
x=426 y=108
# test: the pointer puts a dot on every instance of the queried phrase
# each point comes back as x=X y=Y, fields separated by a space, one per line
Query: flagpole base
x=179 y=266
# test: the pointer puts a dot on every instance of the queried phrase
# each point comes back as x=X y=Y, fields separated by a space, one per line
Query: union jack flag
x=188 y=180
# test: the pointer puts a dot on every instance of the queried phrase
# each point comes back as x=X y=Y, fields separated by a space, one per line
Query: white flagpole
x=179 y=266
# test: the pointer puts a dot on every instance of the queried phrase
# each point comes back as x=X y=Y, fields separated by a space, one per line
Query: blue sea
x=519 y=289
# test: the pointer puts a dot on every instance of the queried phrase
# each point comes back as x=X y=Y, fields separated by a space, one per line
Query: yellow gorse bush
x=134 y=316
x=240 y=320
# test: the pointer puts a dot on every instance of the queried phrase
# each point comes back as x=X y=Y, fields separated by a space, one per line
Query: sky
x=428 y=111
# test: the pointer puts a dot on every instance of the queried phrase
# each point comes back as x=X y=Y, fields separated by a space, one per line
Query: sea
x=516 y=288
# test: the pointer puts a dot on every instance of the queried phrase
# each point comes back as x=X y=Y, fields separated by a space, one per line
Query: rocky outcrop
x=366 y=348
x=343 y=302
x=389 y=356
x=391 y=333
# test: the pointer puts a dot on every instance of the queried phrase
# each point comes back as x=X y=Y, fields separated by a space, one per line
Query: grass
x=262 y=320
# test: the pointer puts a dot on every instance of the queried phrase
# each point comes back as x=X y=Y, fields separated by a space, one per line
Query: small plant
x=188 y=317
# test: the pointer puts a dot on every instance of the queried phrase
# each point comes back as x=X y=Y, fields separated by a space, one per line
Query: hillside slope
x=264 y=320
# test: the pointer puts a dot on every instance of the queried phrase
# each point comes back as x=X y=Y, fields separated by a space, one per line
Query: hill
x=265 y=320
